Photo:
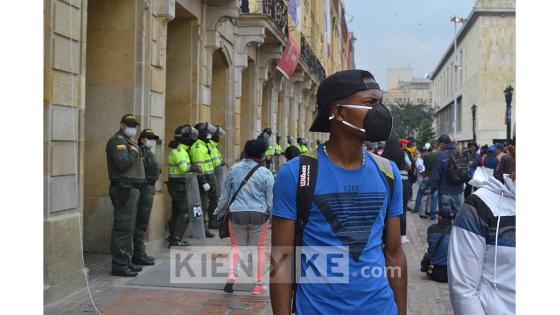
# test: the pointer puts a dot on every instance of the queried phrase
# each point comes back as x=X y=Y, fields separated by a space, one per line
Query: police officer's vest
x=122 y=161
x=269 y=151
x=302 y=148
x=178 y=161
x=215 y=154
x=200 y=156
x=278 y=149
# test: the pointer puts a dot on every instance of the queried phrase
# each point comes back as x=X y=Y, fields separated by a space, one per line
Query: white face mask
x=130 y=132
x=150 y=144
x=208 y=136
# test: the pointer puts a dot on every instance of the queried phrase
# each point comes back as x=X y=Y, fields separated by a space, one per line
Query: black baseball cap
x=130 y=120
x=337 y=86
x=148 y=134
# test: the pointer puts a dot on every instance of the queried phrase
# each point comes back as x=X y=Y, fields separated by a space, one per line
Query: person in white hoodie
x=481 y=258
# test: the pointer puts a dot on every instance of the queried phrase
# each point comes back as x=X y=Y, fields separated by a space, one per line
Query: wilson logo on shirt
x=351 y=216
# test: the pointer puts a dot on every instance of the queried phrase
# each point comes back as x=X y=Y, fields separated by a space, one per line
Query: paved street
x=117 y=296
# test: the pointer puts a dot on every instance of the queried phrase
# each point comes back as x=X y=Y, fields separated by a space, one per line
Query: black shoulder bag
x=223 y=230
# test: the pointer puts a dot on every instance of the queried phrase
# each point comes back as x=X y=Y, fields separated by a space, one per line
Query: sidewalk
x=115 y=295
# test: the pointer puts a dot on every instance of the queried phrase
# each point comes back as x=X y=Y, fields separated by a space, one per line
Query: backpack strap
x=307 y=178
x=384 y=166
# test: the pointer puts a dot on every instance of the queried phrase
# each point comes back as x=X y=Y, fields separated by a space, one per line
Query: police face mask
x=130 y=132
x=378 y=122
x=150 y=144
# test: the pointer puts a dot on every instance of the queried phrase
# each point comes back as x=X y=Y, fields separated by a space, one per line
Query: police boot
x=124 y=273
x=143 y=261
x=176 y=242
x=134 y=268
x=207 y=231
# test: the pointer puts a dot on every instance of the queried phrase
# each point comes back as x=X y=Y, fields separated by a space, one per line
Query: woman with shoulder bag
x=245 y=206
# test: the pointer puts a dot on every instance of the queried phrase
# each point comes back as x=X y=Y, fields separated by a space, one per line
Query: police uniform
x=127 y=175
x=215 y=154
x=302 y=148
x=152 y=169
x=200 y=156
x=179 y=164
x=268 y=154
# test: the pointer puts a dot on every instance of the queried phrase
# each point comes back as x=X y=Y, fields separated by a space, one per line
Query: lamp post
x=473 y=110
x=455 y=20
x=508 y=92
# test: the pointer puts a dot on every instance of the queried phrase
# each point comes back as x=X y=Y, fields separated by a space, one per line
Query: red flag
x=290 y=57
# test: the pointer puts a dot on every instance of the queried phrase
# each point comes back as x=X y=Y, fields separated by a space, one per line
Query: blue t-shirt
x=348 y=209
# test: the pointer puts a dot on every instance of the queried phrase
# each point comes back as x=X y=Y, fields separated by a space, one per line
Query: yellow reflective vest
x=178 y=161
x=215 y=153
x=200 y=156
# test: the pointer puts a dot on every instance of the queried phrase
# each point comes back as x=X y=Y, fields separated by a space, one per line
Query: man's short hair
x=254 y=149
x=444 y=139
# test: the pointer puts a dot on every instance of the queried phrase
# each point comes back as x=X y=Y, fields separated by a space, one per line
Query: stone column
x=64 y=105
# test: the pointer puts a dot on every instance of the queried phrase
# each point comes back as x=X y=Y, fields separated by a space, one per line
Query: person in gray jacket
x=481 y=262
x=249 y=212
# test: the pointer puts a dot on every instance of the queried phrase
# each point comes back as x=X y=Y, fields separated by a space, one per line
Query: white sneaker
x=404 y=239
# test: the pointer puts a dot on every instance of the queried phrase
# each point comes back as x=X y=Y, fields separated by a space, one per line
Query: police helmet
x=186 y=132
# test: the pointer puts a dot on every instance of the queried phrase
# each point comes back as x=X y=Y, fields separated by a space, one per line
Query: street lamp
x=455 y=19
x=473 y=110
x=508 y=92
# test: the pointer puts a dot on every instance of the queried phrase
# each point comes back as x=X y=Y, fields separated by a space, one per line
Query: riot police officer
x=200 y=156
x=213 y=146
x=302 y=145
x=127 y=175
x=146 y=142
x=277 y=152
x=178 y=165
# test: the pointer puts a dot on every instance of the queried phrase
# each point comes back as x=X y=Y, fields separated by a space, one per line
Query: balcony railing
x=278 y=13
x=309 y=58
x=276 y=9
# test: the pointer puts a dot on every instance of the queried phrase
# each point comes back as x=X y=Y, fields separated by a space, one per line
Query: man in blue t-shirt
x=350 y=208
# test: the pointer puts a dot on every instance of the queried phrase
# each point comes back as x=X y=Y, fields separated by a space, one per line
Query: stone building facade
x=415 y=92
x=169 y=62
x=485 y=67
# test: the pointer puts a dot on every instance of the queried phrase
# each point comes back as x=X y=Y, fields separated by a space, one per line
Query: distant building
x=396 y=75
x=415 y=92
x=486 y=66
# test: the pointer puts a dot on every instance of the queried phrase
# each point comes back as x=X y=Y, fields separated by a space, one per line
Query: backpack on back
x=457 y=171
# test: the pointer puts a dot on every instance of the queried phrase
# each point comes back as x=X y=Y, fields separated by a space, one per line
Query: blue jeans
x=425 y=184
x=450 y=202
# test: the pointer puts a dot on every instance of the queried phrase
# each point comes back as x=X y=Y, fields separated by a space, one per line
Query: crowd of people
x=352 y=191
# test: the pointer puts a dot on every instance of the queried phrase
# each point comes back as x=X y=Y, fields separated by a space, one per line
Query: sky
x=401 y=33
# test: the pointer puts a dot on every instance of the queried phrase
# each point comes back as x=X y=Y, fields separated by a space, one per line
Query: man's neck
x=345 y=152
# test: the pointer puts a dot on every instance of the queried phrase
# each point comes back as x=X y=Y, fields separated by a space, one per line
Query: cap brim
x=131 y=123
x=321 y=122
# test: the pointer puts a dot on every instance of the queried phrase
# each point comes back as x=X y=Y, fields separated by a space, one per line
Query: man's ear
x=337 y=112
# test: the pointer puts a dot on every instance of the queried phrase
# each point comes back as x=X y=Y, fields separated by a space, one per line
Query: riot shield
x=220 y=174
x=195 y=208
